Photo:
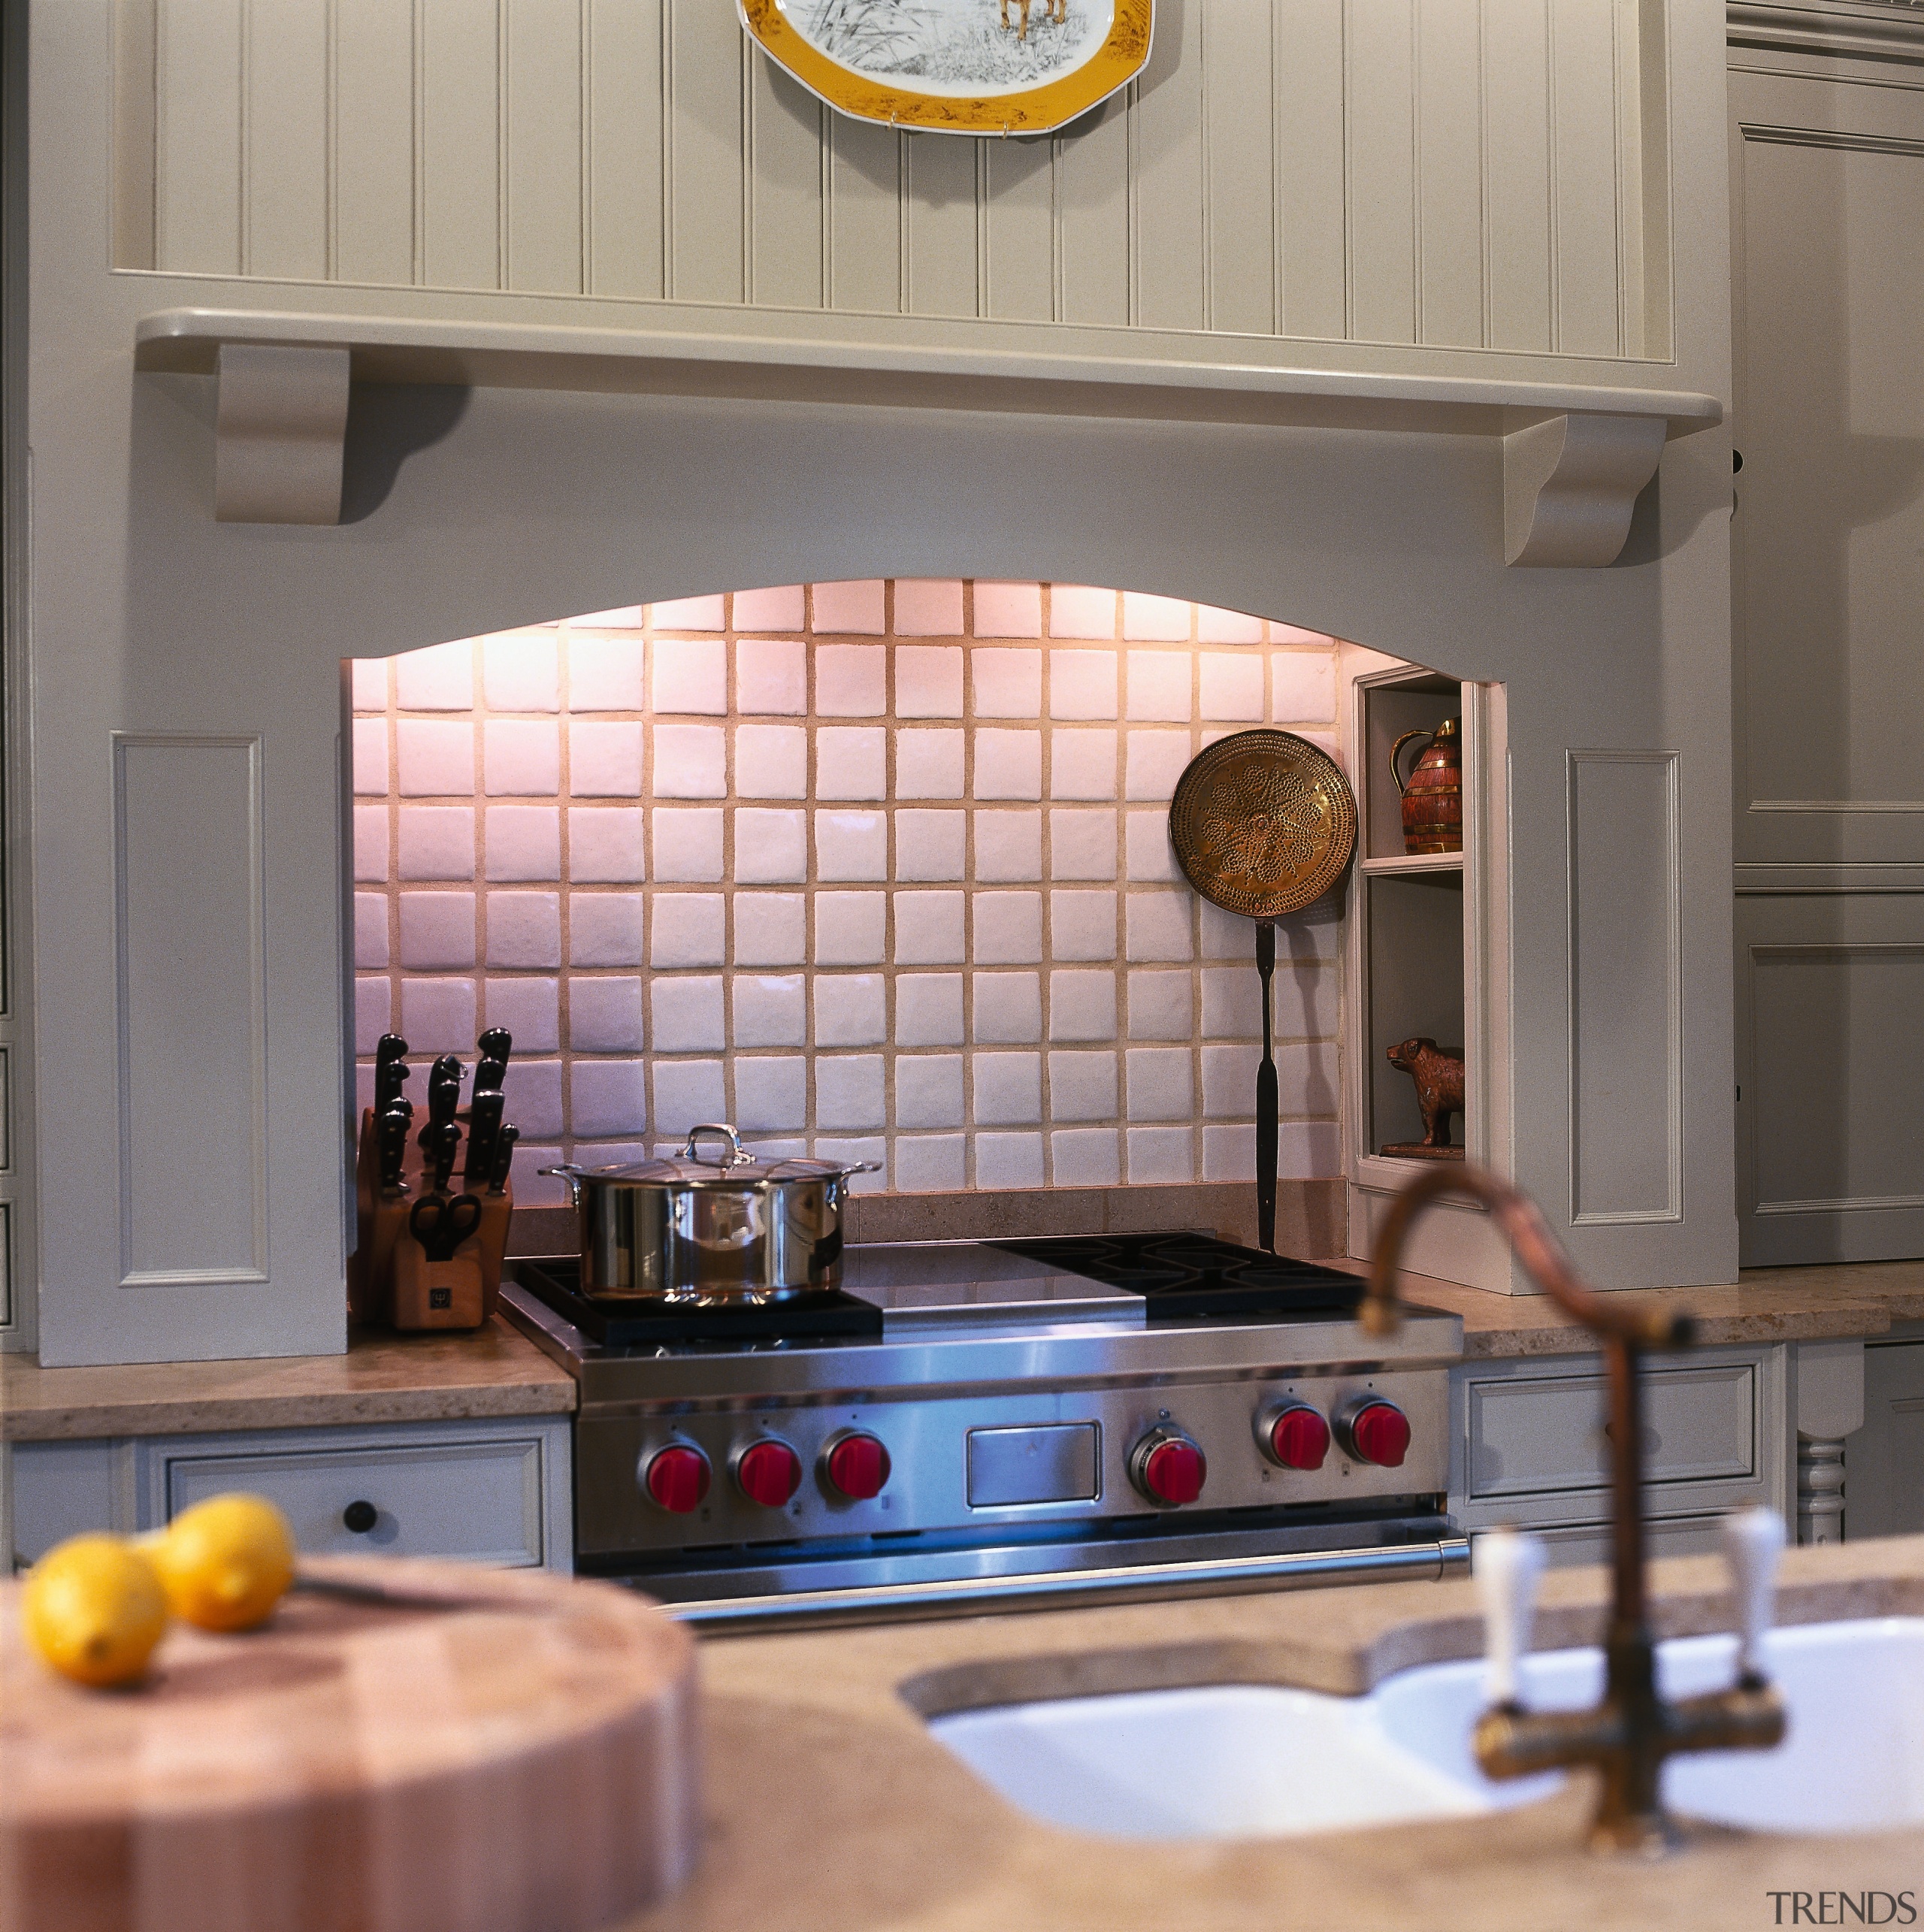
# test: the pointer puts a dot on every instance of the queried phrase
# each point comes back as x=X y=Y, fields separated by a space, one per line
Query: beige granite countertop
x=831 y=1809
x=383 y=1377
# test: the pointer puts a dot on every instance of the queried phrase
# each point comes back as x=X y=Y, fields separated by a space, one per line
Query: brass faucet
x=1627 y=1737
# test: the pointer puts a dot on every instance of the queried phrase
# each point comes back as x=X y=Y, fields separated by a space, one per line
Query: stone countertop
x=383 y=1377
x=829 y=1806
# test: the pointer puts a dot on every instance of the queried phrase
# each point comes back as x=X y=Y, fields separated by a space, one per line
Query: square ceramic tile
x=605 y=674
x=1009 y=1160
x=1086 y=1157
x=532 y=1188
x=1082 y=1004
x=1229 y=1154
x=928 y=929
x=1314 y=933
x=771 y=761
x=702 y=613
x=1161 y=1155
x=931 y=1164
x=1008 y=609
x=849 y=928
x=525 y=929
x=437 y=931
x=772 y=676
x=1292 y=633
x=779 y=608
x=1160 y=684
x=1309 y=1150
x=851 y=846
x=1082 y=844
x=850 y=1010
x=1214 y=626
x=771 y=1092
x=849 y=1091
x=607 y=1096
x=931 y=845
x=770 y=1010
x=441 y=678
x=852 y=608
x=869 y=1148
x=1151 y=856
x=1009 y=929
x=1009 y=1089
x=1302 y=686
x=436 y=841
x=1147 y=618
x=771 y=928
x=370 y=757
x=1231 y=1004
x=928 y=607
x=1225 y=936
x=685 y=929
x=1231 y=686
x=1305 y=1005
x=1082 y=764
x=604 y=1015
x=1160 y=1084
x=604 y=929
x=851 y=680
x=369 y=676
x=928 y=1009
x=437 y=1017
x=1156 y=761
x=371 y=928
x=1157 y=926
x=1007 y=1008
x=928 y=680
x=687 y=845
x=1082 y=683
x=687 y=1093
x=523 y=758
x=1306 y=1076
x=1008 y=848
x=1082 y=610
x=1008 y=683
x=690 y=761
x=604 y=761
x=521 y=671
x=371 y=845
x=928 y=764
x=1082 y=925
x=1229 y=1082
x=523 y=842
x=685 y=1015
x=1162 y=1005
x=373 y=1012
x=434 y=760
x=532 y=1089
x=1008 y=764
x=850 y=761
x=606 y=846
x=928 y=1090
x=771 y=848
x=625 y=617
x=1082 y=1087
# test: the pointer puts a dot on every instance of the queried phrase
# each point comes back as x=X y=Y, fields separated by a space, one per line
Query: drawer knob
x=360 y=1517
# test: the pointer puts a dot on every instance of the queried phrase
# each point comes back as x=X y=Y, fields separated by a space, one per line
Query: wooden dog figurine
x=1439 y=1076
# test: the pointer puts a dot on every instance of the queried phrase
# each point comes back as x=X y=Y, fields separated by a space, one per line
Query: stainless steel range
x=973 y=1425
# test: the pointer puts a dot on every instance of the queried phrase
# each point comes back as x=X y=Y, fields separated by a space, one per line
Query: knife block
x=437 y=1294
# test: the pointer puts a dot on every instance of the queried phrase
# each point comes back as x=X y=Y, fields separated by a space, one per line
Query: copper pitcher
x=1433 y=793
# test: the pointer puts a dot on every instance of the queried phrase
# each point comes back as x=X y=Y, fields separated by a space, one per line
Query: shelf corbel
x=1570 y=484
x=280 y=428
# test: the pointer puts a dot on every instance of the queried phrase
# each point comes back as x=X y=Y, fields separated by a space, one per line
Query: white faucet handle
x=1752 y=1542
x=1506 y=1565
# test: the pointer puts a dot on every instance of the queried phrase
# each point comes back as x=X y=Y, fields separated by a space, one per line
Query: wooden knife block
x=385 y=1250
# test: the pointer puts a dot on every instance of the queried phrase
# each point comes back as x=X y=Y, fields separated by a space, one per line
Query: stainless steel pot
x=727 y=1227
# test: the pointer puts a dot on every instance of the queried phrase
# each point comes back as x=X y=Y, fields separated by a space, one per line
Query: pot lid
x=730 y=1165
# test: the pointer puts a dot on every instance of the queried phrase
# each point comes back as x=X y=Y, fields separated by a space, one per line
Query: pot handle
x=572 y=1176
x=1395 y=751
x=737 y=1157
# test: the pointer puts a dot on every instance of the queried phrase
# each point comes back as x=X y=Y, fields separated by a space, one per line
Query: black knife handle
x=447 y=1138
x=1265 y=1097
x=490 y=1073
x=497 y=1043
x=498 y=1178
x=484 y=1126
x=443 y=1097
x=390 y=1072
x=391 y=1133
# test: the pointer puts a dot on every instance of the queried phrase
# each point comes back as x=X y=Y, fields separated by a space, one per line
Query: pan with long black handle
x=1266 y=1094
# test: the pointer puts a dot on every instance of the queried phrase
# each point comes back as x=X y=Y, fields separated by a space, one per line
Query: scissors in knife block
x=440 y=1227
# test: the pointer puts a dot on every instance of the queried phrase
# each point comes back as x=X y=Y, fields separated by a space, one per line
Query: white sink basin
x=1249 y=1760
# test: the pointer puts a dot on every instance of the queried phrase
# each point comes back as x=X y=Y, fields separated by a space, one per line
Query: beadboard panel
x=1453 y=173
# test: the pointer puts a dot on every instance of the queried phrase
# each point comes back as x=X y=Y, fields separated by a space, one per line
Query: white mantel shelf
x=1575 y=455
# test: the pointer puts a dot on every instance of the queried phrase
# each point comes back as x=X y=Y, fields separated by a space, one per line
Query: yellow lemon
x=226 y=1562
x=94 y=1609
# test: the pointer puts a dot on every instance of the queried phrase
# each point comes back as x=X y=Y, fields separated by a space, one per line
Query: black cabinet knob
x=360 y=1517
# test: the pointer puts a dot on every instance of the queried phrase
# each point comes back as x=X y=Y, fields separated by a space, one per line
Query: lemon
x=94 y=1608
x=226 y=1562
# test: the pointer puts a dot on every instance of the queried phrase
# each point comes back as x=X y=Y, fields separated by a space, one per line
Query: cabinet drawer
x=1543 y=1435
x=480 y=1499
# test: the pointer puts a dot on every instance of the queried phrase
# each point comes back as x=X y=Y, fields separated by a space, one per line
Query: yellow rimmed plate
x=952 y=66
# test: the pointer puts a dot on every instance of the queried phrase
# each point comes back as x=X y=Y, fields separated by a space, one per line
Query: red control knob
x=1169 y=1468
x=1380 y=1432
x=769 y=1473
x=856 y=1466
x=1299 y=1438
x=676 y=1478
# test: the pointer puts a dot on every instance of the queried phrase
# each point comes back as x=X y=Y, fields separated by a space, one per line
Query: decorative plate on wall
x=963 y=67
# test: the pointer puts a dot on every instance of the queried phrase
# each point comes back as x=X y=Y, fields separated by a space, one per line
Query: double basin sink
x=1247 y=1760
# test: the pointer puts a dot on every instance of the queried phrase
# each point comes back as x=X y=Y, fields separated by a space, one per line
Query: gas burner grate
x=829 y=1314
x=1188 y=1276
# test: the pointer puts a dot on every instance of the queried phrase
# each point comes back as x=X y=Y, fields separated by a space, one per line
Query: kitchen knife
x=504 y=1154
x=390 y=1071
x=447 y=1138
x=484 y=1127
x=392 y=1131
x=444 y=1097
x=494 y=1046
x=1265 y=1097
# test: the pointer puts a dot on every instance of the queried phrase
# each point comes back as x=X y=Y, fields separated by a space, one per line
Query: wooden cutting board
x=506 y=1751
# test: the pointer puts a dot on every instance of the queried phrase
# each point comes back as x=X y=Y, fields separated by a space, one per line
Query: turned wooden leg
x=1819 y=1488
